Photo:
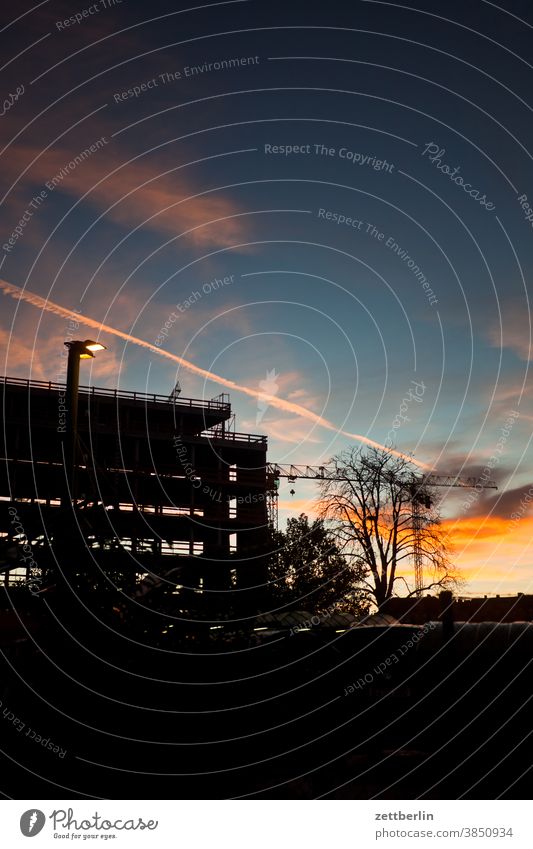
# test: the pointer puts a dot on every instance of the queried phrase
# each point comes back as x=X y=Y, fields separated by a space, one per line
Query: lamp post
x=76 y=351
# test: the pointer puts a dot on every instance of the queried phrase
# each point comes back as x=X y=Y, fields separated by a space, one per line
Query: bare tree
x=367 y=500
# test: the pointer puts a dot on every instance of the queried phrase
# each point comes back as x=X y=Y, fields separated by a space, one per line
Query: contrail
x=274 y=400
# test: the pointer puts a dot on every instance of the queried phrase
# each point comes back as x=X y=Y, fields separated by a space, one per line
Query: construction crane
x=421 y=500
x=417 y=485
x=176 y=392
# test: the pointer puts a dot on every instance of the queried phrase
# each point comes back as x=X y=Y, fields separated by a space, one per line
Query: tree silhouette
x=369 y=511
x=308 y=572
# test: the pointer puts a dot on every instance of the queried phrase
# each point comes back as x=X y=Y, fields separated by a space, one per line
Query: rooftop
x=214 y=405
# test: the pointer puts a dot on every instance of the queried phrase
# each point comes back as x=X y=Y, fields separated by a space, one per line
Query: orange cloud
x=20 y=357
x=470 y=532
x=493 y=548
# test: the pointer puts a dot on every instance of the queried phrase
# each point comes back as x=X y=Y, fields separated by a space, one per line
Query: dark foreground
x=88 y=711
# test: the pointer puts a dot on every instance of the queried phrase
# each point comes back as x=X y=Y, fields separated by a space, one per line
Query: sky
x=329 y=204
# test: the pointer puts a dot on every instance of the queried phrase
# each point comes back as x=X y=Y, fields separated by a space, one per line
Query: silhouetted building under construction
x=164 y=487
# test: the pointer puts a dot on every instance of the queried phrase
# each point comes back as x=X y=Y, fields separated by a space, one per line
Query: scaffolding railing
x=234 y=436
x=121 y=393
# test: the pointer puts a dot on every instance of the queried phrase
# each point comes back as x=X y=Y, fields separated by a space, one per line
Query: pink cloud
x=515 y=332
x=290 y=429
x=133 y=193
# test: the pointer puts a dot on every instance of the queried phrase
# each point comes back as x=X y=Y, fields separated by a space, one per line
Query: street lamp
x=76 y=351
x=90 y=347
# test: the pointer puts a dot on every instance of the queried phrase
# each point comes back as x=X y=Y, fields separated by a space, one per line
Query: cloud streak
x=274 y=400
